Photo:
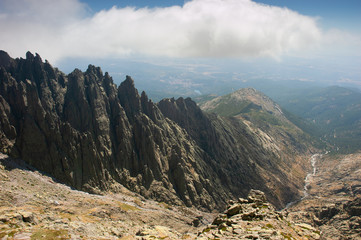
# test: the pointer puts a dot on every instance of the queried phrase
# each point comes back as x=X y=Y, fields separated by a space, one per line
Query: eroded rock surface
x=90 y=134
x=333 y=203
x=35 y=206
x=256 y=218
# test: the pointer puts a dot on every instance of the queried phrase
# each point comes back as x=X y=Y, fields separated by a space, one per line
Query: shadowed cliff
x=88 y=133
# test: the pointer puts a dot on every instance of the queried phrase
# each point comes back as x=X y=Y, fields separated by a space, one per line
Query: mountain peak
x=93 y=69
x=243 y=100
x=5 y=59
x=129 y=97
x=88 y=135
x=128 y=81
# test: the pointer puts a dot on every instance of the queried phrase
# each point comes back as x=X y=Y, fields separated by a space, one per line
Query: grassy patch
x=165 y=205
x=206 y=230
x=3 y=234
x=186 y=236
x=8 y=234
x=50 y=234
x=286 y=235
x=127 y=207
x=268 y=225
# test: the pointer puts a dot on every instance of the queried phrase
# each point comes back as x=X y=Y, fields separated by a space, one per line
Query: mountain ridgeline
x=90 y=134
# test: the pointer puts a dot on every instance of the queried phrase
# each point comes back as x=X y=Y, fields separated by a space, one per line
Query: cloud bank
x=200 y=28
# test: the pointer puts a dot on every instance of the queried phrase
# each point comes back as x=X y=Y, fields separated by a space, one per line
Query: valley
x=180 y=120
x=332 y=202
x=83 y=158
x=89 y=133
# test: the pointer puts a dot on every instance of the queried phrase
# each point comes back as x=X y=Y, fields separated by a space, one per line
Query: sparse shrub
x=206 y=230
x=50 y=234
x=268 y=225
x=286 y=235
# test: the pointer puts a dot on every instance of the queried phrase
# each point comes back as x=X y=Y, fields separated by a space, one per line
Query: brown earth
x=35 y=206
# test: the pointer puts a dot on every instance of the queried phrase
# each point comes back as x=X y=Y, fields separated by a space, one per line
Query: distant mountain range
x=330 y=115
x=333 y=113
x=89 y=133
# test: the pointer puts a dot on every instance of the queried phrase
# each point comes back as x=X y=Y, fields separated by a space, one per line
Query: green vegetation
x=206 y=230
x=229 y=108
x=8 y=234
x=165 y=205
x=331 y=114
x=251 y=105
x=223 y=228
x=3 y=234
x=203 y=98
x=127 y=207
x=286 y=235
x=268 y=225
x=50 y=234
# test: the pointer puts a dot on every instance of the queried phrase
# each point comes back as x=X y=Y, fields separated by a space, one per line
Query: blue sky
x=309 y=40
x=333 y=13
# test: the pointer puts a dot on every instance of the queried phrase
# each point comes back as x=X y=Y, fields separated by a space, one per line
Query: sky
x=324 y=36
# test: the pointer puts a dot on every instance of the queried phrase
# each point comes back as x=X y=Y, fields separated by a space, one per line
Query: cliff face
x=87 y=132
x=242 y=154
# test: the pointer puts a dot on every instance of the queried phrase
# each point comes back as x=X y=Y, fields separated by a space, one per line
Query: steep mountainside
x=90 y=134
x=335 y=113
x=259 y=112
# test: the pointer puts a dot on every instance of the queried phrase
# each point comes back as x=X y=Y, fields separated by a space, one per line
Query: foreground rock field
x=35 y=206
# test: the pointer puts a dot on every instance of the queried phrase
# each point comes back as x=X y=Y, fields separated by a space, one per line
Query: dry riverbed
x=333 y=197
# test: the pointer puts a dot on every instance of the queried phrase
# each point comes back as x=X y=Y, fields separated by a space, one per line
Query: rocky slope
x=255 y=218
x=90 y=134
x=34 y=206
x=262 y=114
x=333 y=200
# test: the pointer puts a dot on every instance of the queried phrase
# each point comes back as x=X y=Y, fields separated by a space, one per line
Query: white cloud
x=201 y=28
x=37 y=25
x=341 y=43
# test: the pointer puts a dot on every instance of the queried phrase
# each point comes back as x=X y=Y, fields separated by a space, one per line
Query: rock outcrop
x=256 y=218
x=88 y=133
x=333 y=203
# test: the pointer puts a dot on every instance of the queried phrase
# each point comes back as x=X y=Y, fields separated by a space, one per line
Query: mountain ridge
x=88 y=133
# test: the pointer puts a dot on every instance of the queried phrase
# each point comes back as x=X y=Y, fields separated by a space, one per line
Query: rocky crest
x=255 y=218
x=90 y=134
